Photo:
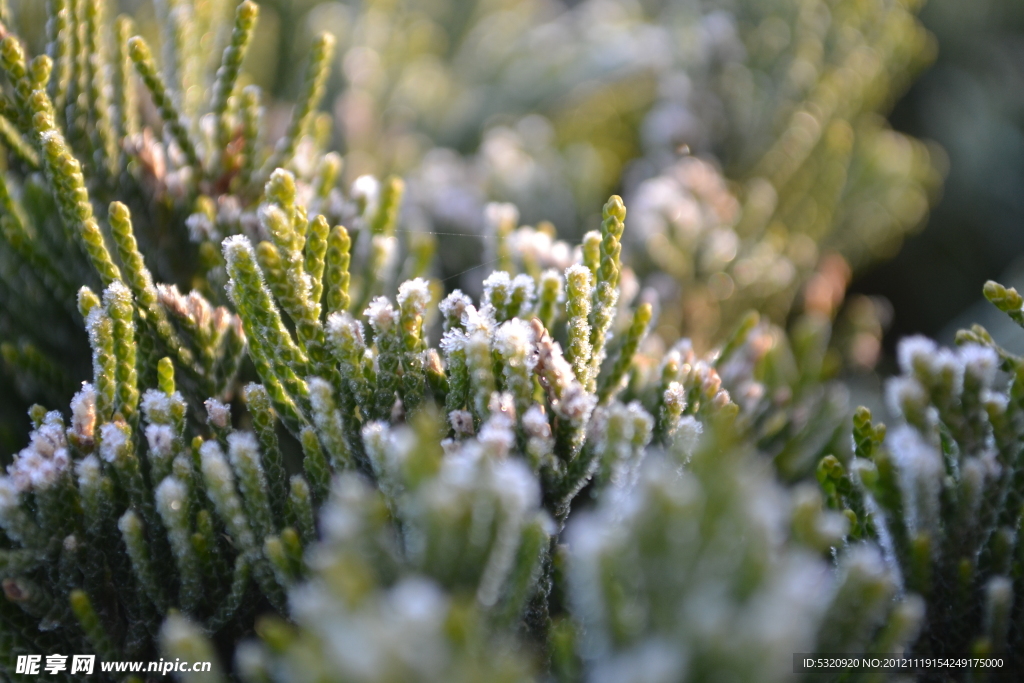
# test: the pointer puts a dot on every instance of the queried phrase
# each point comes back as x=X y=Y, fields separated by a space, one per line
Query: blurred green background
x=971 y=101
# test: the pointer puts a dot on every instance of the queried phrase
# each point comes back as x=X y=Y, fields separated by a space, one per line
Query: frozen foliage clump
x=664 y=590
x=940 y=493
x=422 y=596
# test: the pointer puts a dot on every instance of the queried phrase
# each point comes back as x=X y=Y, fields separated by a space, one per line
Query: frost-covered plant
x=662 y=590
x=323 y=445
x=111 y=521
x=941 y=491
x=657 y=586
x=421 y=579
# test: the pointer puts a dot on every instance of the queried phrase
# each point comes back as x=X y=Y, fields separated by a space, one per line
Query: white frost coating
x=622 y=432
x=864 y=564
x=721 y=399
x=576 y=404
x=244 y=450
x=454 y=305
x=710 y=382
x=179 y=636
x=220 y=487
x=384 y=453
x=171 y=497
x=376 y=436
x=478 y=320
x=199 y=309
x=478 y=345
x=612 y=433
x=156 y=405
x=252 y=660
x=946 y=367
x=381 y=314
x=29 y=470
x=589 y=536
x=93 y=320
x=276 y=222
x=980 y=364
x=320 y=394
x=432 y=362
x=117 y=292
x=344 y=331
x=519 y=492
x=179 y=182
x=51 y=136
x=453 y=341
x=113 y=440
x=461 y=422
x=503 y=405
x=305 y=283
x=497 y=436
x=750 y=394
x=415 y=293
x=687 y=435
x=89 y=471
x=905 y=396
x=513 y=341
x=218 y=414
x=9 y=496
x=49 y=437
x=580 y=271
x=783 y=618
x=675 y=396
x=471 y=484
x=215 y=466
x=995 y=402
x=973 y=472
x=516 y=485
x=913 y=352
x=999 y=593
x=921 y=472
x=394 y=636
x=83 y=412
x=688 y=577
x=235 y=246
x=129 y=523
x=365 y=189
x=341 y=519
x=160 y=439
x=326 y=417
x=499 y=284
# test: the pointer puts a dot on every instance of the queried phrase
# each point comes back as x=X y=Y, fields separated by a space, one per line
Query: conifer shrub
x=286 y=431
